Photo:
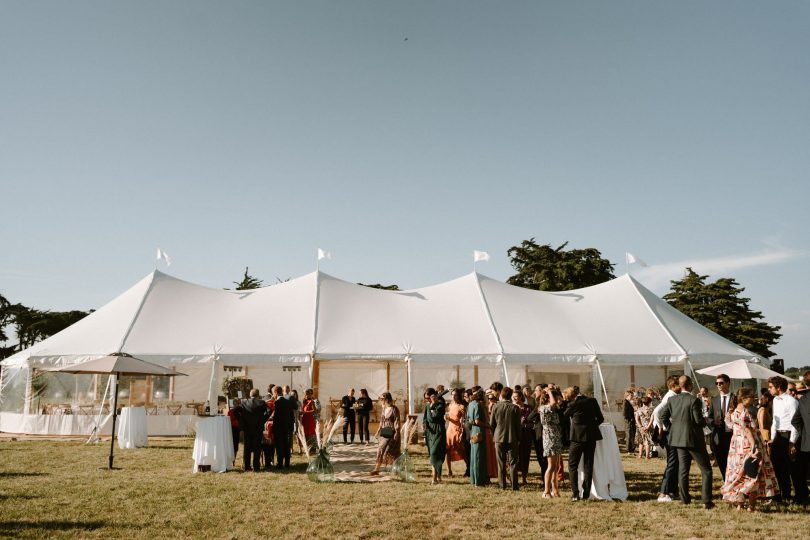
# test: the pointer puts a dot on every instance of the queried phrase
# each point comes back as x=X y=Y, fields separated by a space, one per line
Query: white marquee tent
x=473 y=329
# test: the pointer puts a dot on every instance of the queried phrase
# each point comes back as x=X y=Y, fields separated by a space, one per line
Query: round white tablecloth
x=608 y=472
x=132 y=428
x=214 y=444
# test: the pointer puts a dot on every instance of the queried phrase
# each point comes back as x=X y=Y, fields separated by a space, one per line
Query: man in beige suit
x=505 y=422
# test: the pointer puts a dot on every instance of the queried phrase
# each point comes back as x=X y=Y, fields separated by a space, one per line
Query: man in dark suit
x=801 y=421
x=629 y=414
x=684 y=415
x=534 y=417
x=721 y=433
x=505 y=423
x=585 y=415
x=282 y=431
x=254 y=411
x=347 y=408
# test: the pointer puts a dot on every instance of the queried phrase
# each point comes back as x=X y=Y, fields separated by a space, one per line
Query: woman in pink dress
x=746 y=442
x=455 y=431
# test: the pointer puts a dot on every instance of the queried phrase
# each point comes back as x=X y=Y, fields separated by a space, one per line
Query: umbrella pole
x=115 y=413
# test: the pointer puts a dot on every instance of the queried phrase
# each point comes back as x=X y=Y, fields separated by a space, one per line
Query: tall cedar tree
x=719 y=307
x=544 y=268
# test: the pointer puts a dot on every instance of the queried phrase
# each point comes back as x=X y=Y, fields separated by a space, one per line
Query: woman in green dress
x=478 y=447
x=435 y=434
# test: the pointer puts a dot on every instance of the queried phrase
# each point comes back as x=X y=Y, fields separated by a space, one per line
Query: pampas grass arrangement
x=402 y=469
x=320 y=467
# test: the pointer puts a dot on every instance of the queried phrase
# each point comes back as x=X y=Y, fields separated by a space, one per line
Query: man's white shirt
x=784 y=407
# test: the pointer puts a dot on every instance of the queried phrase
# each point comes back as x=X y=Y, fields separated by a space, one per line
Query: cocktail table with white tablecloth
x=214 y=443
x=608 y=472
x=132 y=431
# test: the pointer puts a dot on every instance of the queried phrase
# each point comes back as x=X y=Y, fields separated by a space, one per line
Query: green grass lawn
x=57 y=489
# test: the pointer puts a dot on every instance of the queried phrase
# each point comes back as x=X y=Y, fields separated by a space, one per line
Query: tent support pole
x=604 y=389
x=504 y=370
x=115 y=415
x=29 y=390
x=411 y=403
x=688 y=362
x=311 y=371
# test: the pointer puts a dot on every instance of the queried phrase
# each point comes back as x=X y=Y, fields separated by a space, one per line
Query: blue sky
x=401 y=136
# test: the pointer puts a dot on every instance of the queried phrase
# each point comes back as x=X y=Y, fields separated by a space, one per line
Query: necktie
x=724 y=406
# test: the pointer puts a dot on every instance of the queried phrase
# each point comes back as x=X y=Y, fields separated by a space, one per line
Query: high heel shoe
x=546 y=495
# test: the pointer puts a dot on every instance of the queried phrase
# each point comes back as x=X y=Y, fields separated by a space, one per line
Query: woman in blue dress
x=478 y=446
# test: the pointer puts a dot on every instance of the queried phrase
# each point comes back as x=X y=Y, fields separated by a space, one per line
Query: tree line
x=718 y=305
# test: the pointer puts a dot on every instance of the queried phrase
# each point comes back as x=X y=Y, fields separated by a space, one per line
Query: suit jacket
x=505 y=422
x=716 y=413
x=534 y=417
x=585 y=415
x=346 y=403
x=283 y=415
x=801 y=421
x=684 y=415
x=253 y=414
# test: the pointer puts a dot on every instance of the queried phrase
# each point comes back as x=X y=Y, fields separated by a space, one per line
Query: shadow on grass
x=5 y=496
x=643 y=486
x=163 y=447
x=12 y=474
x=11 y=529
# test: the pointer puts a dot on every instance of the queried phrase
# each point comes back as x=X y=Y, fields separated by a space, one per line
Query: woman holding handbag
x=478 y=446
x=749 y=471
x=388 y=448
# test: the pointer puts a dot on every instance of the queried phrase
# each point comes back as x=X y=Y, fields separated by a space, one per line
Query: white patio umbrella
x=741 y=369
x=117 y=364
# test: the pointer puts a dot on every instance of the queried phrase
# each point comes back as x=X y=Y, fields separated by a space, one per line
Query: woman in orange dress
x=455 y=431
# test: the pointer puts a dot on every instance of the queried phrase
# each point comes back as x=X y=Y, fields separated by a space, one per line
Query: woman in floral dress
x=552 y=440
x=746 y=441
x=643 y=426
x=388 y=448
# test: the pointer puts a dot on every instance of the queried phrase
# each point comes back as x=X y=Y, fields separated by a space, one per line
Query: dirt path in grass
x=354 y=463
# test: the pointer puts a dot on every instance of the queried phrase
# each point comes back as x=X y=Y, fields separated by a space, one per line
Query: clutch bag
x=751 y=467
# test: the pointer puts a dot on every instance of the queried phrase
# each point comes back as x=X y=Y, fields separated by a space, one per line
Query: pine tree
x=248 y=282
x=720 y=307
x=544 y=268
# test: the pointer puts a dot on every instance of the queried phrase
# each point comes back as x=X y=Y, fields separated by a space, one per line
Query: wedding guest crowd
x=760 y=444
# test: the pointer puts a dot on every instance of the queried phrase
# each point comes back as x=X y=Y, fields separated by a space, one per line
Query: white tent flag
x=479 y=256
x=323 y=254
x=163 y=256
x=632 y=259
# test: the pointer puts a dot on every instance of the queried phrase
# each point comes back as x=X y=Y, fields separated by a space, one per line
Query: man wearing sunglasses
x=721 y=435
